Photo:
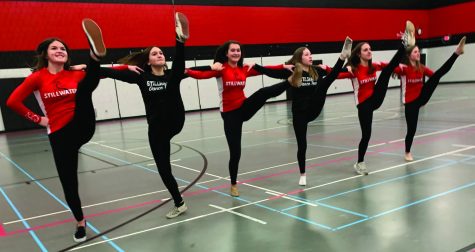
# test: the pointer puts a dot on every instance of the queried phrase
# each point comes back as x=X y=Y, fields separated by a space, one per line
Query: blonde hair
x=297 y=58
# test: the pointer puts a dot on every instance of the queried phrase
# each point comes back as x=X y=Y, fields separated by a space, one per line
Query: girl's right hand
x=217 y=66
x=44 y=121
x=135 y=69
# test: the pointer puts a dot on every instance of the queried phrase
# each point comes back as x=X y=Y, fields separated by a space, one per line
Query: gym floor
x=424 y=205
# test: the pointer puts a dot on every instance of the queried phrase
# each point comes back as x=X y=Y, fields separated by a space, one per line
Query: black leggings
x=66 y=142
x=159 y=137
x=366 y=108
x=412 y=108
x=300 y=119
x=234 y=119
x=162 y=130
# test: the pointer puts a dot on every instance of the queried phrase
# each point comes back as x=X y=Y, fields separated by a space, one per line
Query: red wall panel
x=453 y=19
x=25 y=24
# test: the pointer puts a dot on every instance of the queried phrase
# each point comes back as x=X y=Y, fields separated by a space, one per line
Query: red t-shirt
x=412 y=81
x=55 y=93
x=363 y=82
x=231 y=83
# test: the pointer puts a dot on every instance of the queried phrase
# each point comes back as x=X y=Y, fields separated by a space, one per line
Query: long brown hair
x=297 y=58
x=140 y=59
x=406 y=60
x=354 y=60
x=42 y=53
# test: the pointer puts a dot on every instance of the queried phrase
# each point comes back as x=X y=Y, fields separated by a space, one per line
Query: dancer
x=370 y=90
x=234 y=106
x=160 y=88
x=416 y=92
x=65 y=97
x=309 y=95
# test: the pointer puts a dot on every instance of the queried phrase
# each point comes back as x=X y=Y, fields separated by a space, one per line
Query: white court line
x=461 y=145
x=309 y=159
x=268 y=199
x=463 y=155
x=128 y=152
x=266 y=129
x=171 y=224
x=392 y=167
x=138 y=148
x=293 y=199
x=117 y=149
x=436 y=132
x=239 y=214
x=89 y=206
x=199 y=139
x=272 y=167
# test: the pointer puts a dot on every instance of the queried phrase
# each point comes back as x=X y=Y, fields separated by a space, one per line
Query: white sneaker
x=409 y=37
x=360 y=168
x=176 y=211
x=181 y=27
x=346 y=51
x=80 y=234
x=303 y=180
x=94 y=37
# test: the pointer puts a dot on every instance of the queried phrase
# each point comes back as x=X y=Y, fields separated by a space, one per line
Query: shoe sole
x=348 y=43
x=359 y=172
x=79 y=240
x=94 y=37
x=411 y=29
x=183 y=20
x=181 y=212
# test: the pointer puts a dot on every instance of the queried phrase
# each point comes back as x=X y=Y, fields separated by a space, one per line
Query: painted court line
x=239 y=214
x=293 y=199
x=92 y=205
x=399 y=165
x=436 y=132
x=170 y=224
x=17 y=212
x=289 y=171
x=113 y=245
x=410 y=204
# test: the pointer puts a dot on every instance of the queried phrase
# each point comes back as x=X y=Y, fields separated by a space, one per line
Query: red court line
x=61 y=222
x=2 y=231
x=397 y=145
x=337 y=160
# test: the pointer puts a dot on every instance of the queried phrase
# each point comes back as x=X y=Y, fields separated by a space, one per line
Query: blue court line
x=323 y=205
x=470 y=163
x=131 y=164
x=216 y=191
x=387 y=181
x=410 y=204
x=308 y=221
x=25 y=223
x=57 y=199
x=292 y=207
x=369 y=151
x=343 y=210
x=318 y=201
